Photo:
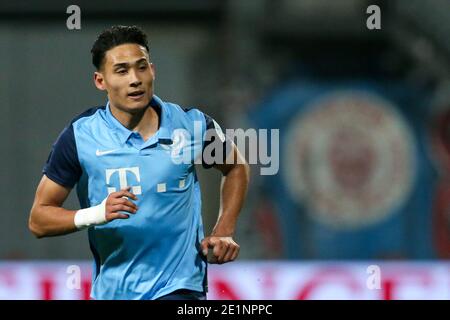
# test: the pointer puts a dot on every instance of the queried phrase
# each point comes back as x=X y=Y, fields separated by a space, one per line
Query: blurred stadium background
x=364 y=119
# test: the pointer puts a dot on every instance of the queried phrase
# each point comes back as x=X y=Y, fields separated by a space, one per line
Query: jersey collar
x=163 y=135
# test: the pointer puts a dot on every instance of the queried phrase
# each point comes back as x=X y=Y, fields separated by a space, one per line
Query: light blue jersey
x=157 y=250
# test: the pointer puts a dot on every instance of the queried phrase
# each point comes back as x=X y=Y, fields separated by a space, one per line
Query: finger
x=229 y=254
x=226 y=247
x=124 y=202
x=208 y=243
x=218 y=250
x=129 y=195
x=126 y=193
x=116 y=215
x=212 y=242
x=204 y=246
x=236 y=253
x=118 y=193
x=122 y=207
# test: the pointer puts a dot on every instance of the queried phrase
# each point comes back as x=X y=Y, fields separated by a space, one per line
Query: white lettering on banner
x=251 y=281
x=74 y=278
x=374 y=279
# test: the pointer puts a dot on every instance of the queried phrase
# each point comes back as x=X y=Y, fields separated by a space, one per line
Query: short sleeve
x=63 y=166
x=216 y=145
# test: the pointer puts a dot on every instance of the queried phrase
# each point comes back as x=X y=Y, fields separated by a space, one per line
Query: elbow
x=34 y=227
x=35 y=230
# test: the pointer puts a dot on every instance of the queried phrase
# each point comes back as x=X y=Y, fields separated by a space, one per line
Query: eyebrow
x=126 y=64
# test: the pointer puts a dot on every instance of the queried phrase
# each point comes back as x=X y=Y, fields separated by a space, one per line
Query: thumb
x=204 y=246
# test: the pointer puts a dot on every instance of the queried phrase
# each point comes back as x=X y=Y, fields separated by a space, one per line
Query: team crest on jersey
x=349 y=159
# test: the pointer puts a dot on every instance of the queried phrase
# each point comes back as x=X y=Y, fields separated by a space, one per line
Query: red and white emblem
x=350 y=159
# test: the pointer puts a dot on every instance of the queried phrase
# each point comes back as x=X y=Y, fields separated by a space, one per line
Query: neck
x=144 y=121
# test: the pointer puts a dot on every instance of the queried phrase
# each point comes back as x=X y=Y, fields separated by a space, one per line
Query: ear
x=152 y=68
x=99 y=81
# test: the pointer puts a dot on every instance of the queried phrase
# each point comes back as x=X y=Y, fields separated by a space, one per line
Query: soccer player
x=133 y=162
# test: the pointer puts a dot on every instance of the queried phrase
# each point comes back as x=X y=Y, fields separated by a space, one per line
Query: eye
x=121 y=71
x=143 y=67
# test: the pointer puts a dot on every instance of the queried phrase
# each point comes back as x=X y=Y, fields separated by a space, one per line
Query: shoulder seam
x=89 y=112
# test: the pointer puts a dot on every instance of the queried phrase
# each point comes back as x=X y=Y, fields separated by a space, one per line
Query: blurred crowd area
x=363 y=115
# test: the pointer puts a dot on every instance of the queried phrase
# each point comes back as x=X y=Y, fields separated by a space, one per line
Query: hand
x=224 y=249
x=117 y=201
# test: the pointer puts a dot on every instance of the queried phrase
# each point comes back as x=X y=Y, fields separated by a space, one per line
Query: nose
x=134 y=79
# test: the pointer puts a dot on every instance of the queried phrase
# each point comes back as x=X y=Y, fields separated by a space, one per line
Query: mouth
x=136 y=95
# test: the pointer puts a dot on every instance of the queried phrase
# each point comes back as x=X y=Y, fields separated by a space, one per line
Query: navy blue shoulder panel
x=212 y=136
x=63 y=166
x=87 y=113
x=209 y=122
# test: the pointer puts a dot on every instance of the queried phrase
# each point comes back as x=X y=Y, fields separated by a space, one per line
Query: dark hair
x=114 y=37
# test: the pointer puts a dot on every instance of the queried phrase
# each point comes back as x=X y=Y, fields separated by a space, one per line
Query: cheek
x=116 y=87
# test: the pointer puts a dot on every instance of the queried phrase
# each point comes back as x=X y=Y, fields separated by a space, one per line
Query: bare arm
x=48 y=218
x=236 y=175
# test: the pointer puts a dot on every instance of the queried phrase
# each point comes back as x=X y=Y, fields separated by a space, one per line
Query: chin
x=137 y=105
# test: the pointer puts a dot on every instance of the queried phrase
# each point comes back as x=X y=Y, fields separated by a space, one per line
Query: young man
x=133 y=163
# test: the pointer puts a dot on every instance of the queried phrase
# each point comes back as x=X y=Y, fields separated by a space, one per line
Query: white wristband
x=91 y=216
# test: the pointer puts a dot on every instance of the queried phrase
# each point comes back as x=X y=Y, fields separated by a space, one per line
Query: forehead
x=125 y=53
